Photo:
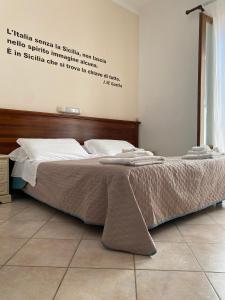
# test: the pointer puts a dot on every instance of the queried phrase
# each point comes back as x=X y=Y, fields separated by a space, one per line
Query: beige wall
x=98 y=27
x=168 y=76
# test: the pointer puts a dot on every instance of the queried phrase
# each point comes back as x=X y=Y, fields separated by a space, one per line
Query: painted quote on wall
x=25 y=46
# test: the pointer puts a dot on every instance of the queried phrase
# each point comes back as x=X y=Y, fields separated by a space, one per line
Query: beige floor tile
x=169 y=256
x=22 y=203
x=84 y=284
x=19 y=229
x=44 y=252
x=166 y=233
x=218 y=282
x=72 y=229
x=8 y=211
x=63 y=217
x=92 y=232
x=92 y=254
x=218 y=215
x=36 y=213
x=203 y=233
x=169 y=285
x=8 y=247
x=200 y=218
x=210 y=256
x=18 y=283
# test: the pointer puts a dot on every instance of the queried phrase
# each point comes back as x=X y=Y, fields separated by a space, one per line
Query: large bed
x=127 y=201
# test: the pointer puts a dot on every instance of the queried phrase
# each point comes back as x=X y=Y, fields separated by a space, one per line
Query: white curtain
x=219 y=74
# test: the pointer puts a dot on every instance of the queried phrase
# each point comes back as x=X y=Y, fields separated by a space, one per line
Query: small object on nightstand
x=5 y=197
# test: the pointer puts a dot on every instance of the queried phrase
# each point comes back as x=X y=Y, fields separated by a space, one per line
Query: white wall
x=168 y=76
x=95 y=27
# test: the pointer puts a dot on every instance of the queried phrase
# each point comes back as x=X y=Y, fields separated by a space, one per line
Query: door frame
x=203 y=20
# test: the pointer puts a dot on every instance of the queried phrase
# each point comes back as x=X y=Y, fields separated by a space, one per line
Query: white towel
x=201 y=148
x=135 y=161
x=217 y=149
x=198 y=152
x=133 y=154
x=209 y=155
x=203 y=152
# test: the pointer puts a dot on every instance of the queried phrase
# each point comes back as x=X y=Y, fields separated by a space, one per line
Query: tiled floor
x=46 y=255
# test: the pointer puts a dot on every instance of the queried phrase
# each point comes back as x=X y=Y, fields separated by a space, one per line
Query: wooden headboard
x=29 y=124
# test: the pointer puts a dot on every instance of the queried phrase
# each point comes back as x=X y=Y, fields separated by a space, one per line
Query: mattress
x=128 y=201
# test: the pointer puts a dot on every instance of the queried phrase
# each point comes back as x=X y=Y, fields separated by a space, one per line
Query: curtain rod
x=200 y=7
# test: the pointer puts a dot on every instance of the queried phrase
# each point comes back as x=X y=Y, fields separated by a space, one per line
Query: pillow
x=106 y=147
x=44 y=149
x=18 y=155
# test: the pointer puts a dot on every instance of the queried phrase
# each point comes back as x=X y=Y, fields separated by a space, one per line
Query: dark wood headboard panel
x=28 y=124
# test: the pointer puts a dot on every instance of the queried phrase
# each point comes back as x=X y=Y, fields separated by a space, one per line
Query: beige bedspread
x=130 y=200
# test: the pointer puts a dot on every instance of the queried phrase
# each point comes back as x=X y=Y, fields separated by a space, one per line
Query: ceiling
x=133 y=5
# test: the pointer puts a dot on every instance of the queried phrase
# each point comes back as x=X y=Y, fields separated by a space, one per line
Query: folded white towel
x=201 y=148
x=199 y=152
x=208 y=155
x=135 y=161
x=217 y=149
x=133 y=154
x=202 y=152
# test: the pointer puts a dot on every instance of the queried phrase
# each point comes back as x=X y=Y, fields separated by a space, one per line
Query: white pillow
x=44 y=149
x=106 y=147
x=18 y=155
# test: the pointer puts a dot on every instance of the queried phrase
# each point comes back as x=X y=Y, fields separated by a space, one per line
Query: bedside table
x=4 y=179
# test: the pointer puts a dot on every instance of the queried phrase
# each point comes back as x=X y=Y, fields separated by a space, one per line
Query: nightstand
x=5 y=197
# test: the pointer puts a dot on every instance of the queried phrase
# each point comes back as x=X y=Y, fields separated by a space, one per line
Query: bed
x=127 y=201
